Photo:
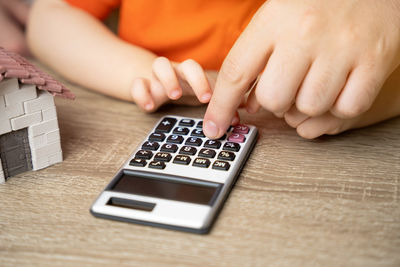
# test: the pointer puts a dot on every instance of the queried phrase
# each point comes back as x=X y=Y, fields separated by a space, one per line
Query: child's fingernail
x=210 y=129
x=148 y=106
x=175 y=94
x=206 y=97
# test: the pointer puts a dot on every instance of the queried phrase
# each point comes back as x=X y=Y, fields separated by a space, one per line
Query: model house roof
x=13 y=65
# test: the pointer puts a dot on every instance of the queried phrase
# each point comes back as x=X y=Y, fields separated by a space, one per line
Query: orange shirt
x=203 y=30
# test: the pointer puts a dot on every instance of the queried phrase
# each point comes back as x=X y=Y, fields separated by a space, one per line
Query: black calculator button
x=169 y=148
x=138 y=162
x=193 y=141
x=157 y=137
x=207 y=153
x=165 y=125
x=199 y=124
x=186 y=122
x=143 y=154
x=176 y=139
x=150 y=145
x=226 y=155
x=198 y=133
x=200 y=162
x=163 y=156
x=157 y=165
x=188 y=150
x=222 y=138
x=181 y=130
x=231 y=146
x=182 y=159
x=212 y=144
x=221 y=165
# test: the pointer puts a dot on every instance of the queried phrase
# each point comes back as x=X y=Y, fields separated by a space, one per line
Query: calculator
x=177 y=178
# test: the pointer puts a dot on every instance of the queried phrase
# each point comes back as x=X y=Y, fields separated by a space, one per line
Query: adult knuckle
x=348 y=111
x=270 y=101
x=233 y=73
x=309 y=108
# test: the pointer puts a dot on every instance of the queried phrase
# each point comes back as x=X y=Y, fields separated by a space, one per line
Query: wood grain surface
x=333 y=201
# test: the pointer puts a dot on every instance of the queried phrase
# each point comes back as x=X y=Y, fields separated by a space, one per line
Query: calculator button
x=241 y=129
x=188 y=150
x=226 y=155
x=212 y=144
x=193 y=141
x=138 y=162
x=143 y=154
x=198 y=132
x=157 y=137
x=176 y=139
x=222 y=138
x=169 y=148
x=221 y=165
x=199 y=124
x=235 y=137
x=165 y=125
x=181 y=130
x=150 y=145
x=157 y=165
x=231 y=146
x=163 y=156
x=200 y=162
x=186 y=122
x=207 y=153
x=182 y=159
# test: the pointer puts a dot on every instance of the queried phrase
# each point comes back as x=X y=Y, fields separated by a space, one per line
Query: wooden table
x=332 y=201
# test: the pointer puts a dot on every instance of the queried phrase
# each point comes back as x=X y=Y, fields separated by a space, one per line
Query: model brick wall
x=24 y=106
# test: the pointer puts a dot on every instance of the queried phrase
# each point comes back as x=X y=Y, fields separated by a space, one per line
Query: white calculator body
x=177 y=178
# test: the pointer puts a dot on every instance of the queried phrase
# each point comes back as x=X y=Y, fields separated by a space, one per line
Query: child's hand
x=184 y=83
x=320 y=56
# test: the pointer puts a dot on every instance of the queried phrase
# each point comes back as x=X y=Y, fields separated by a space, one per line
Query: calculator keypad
x=183 y=142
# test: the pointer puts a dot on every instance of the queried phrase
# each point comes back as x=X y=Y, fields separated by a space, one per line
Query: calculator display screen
x=167 y=189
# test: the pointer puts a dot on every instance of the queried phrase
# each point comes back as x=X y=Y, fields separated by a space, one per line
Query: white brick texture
x=28 y=107
x=26 y=120
x=27 y=92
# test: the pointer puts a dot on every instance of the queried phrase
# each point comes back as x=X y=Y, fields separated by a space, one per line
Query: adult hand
x=318 y=55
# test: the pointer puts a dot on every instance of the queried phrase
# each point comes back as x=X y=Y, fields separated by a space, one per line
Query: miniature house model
x=29 y=134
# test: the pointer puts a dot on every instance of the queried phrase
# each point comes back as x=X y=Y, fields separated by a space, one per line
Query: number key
x=188 y=150
x=198 y=132
x=193 y=141
x=176 y=139
x=212 y=144
x=207 y=153
x=181 y=131
x=169 y=148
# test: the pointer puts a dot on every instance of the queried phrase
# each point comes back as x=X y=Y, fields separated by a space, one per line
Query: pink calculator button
x=241 y=129
x=236 y=137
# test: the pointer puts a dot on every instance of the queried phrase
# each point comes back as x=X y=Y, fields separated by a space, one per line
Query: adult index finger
x=245 y=61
